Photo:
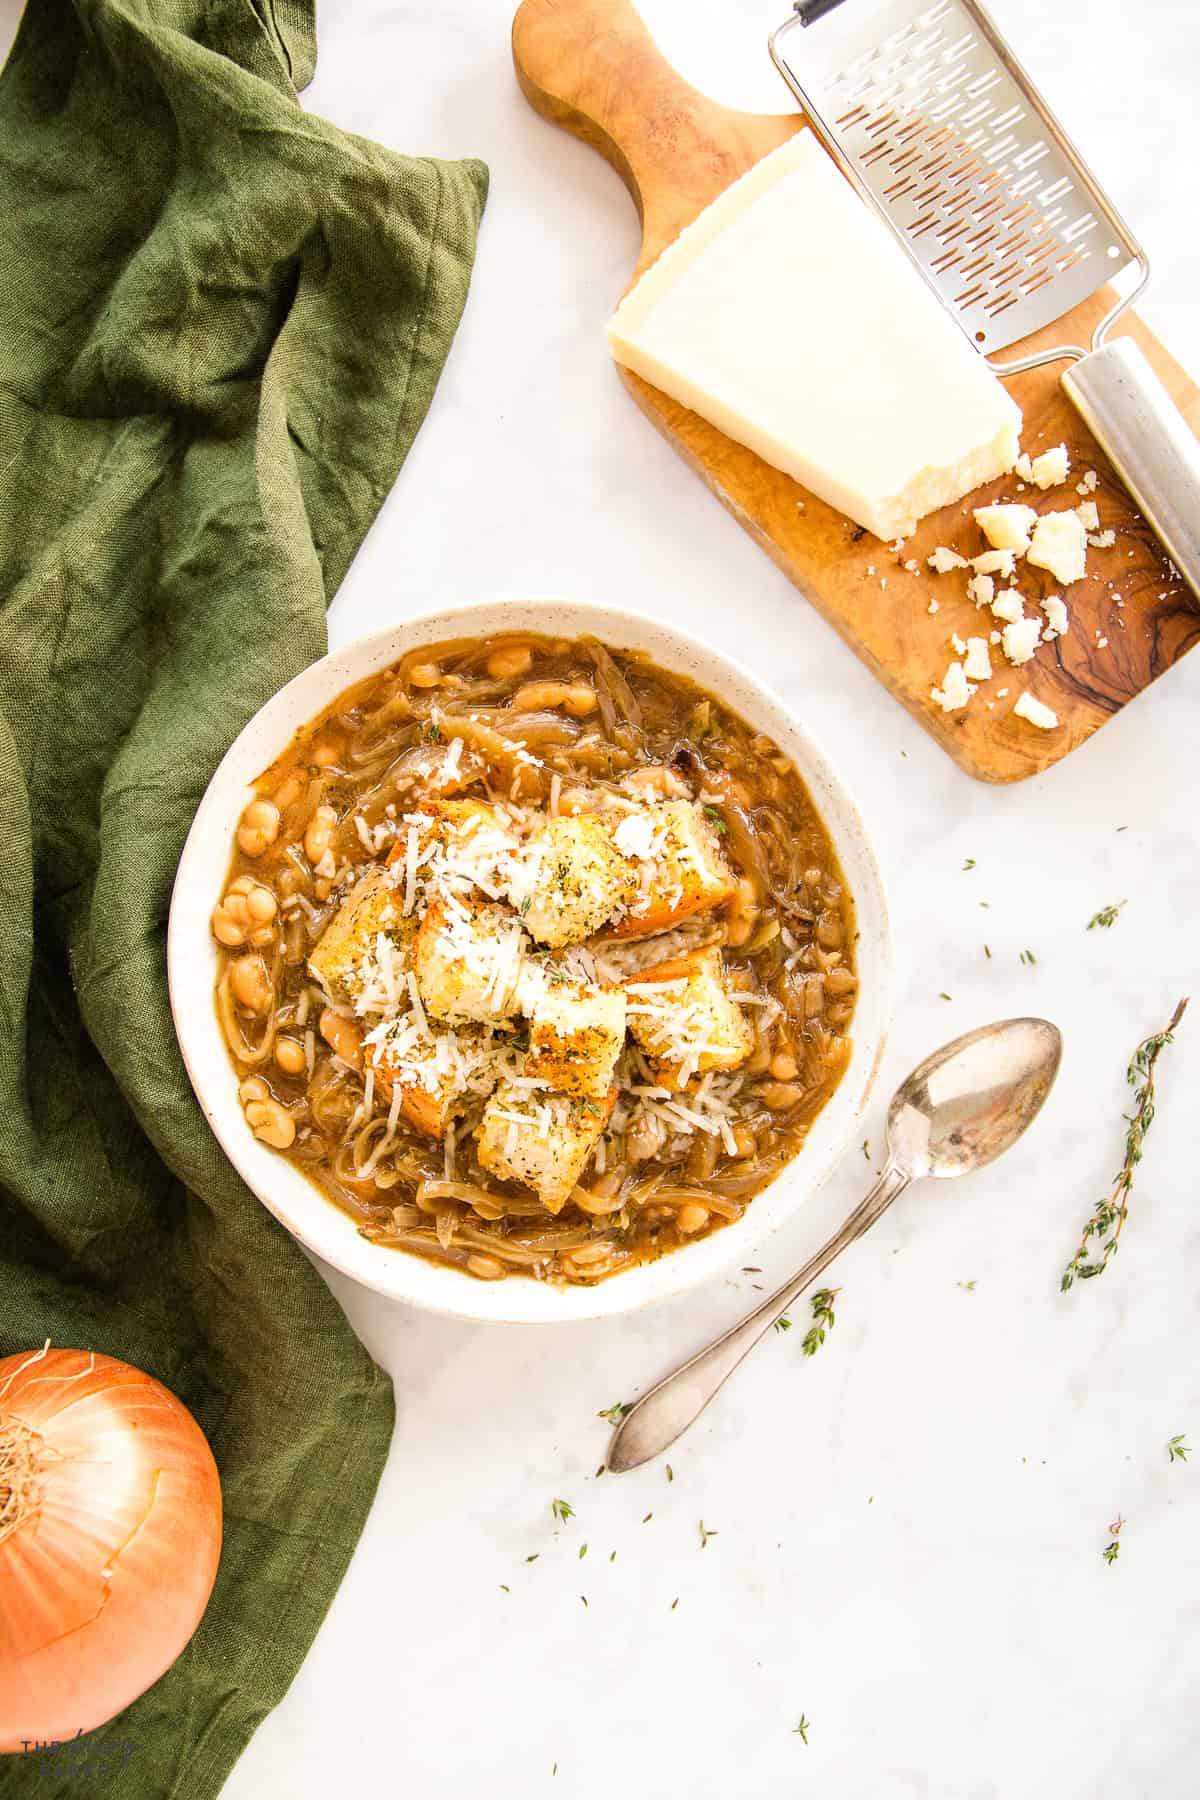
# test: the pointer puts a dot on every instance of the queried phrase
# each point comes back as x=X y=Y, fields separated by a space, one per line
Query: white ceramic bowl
x=316 y=1221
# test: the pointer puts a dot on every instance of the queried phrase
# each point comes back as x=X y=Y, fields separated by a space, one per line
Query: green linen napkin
x=221 y=324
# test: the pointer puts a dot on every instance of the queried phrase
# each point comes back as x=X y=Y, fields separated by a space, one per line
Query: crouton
x=541 y=1139
x=468 y=958
x=428 y=1102
x=576 y=1034
x=569 y=880
x=454 y=846
x=682 y=1016
x=444 y=820
x=684 y=873
x=436 y=1072
x=343 y=957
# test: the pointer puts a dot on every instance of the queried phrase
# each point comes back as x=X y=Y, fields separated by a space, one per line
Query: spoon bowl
x=971 y=1100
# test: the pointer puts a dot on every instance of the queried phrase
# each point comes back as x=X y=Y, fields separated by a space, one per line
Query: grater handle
x=1149 y=443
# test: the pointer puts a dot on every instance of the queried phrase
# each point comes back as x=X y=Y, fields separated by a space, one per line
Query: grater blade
x=939 y=127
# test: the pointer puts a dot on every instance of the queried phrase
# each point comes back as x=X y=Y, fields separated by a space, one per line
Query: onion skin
x=107 y=1578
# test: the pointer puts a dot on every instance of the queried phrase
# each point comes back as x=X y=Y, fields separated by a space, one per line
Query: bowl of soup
x=529 y=961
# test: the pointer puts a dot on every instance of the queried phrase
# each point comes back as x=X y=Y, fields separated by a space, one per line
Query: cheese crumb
x=1089 y=515
x=1037 y=714
x=1057 y=616
x=1060 y=545
x=934 y=606
x=1021 y=639
x=995 y=562
x=994 y=637
x=1006 y=527
x=955 y=690
x=981 y=589
x=1101 y=643
x=1008 y=606
x=1050 y=468
x=1102 y=540
x=1089 y=484
x=957 y=644
x=978 y=664
x=1023 y=467
x=944 y=559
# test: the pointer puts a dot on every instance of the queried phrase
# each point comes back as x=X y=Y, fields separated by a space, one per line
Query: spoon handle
x=662 y=1415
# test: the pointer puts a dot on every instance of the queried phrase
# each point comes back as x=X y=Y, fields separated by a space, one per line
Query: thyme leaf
x=1106 y=918
x=1108 y=1220
x=1112 y=1549
x=562 y=1510
x=614 y=1414
x=823 y=1320
x=1177 y=1450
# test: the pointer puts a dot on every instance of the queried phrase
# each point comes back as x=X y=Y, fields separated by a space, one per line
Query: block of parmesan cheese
x=789 y=317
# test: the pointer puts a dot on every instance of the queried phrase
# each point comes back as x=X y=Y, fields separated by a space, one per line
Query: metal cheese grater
x=940 y=129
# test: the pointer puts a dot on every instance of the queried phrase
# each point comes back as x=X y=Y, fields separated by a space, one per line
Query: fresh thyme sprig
x=1177 y=1450
x=614 y=1414
x=801 y=1730
x=562 y=1510
x=1106 y=917
x=1107 y=1221
x=1112 y=1549
x=823 y=1319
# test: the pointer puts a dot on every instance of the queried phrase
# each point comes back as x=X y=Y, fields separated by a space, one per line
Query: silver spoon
x=958 y=1110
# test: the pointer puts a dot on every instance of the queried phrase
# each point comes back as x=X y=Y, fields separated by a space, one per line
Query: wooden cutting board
x=592 y=67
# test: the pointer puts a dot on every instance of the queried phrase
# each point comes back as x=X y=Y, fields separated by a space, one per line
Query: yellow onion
x=110 y=1534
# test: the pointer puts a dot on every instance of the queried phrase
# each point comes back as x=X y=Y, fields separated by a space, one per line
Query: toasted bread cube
x=428 y=1100
x=468 y=959
x=430 y=1096
x=541 y=1139
x=570 y=880
x=576 y=1034
x=463 y=840
x=684 y=873
x=682 y=1016
x=435 y=1071
x=344 y=953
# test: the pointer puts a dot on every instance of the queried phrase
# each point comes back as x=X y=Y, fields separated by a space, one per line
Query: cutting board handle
x=593 y=68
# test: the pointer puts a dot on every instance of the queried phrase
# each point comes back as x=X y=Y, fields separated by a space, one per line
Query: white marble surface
x=911 y=1524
